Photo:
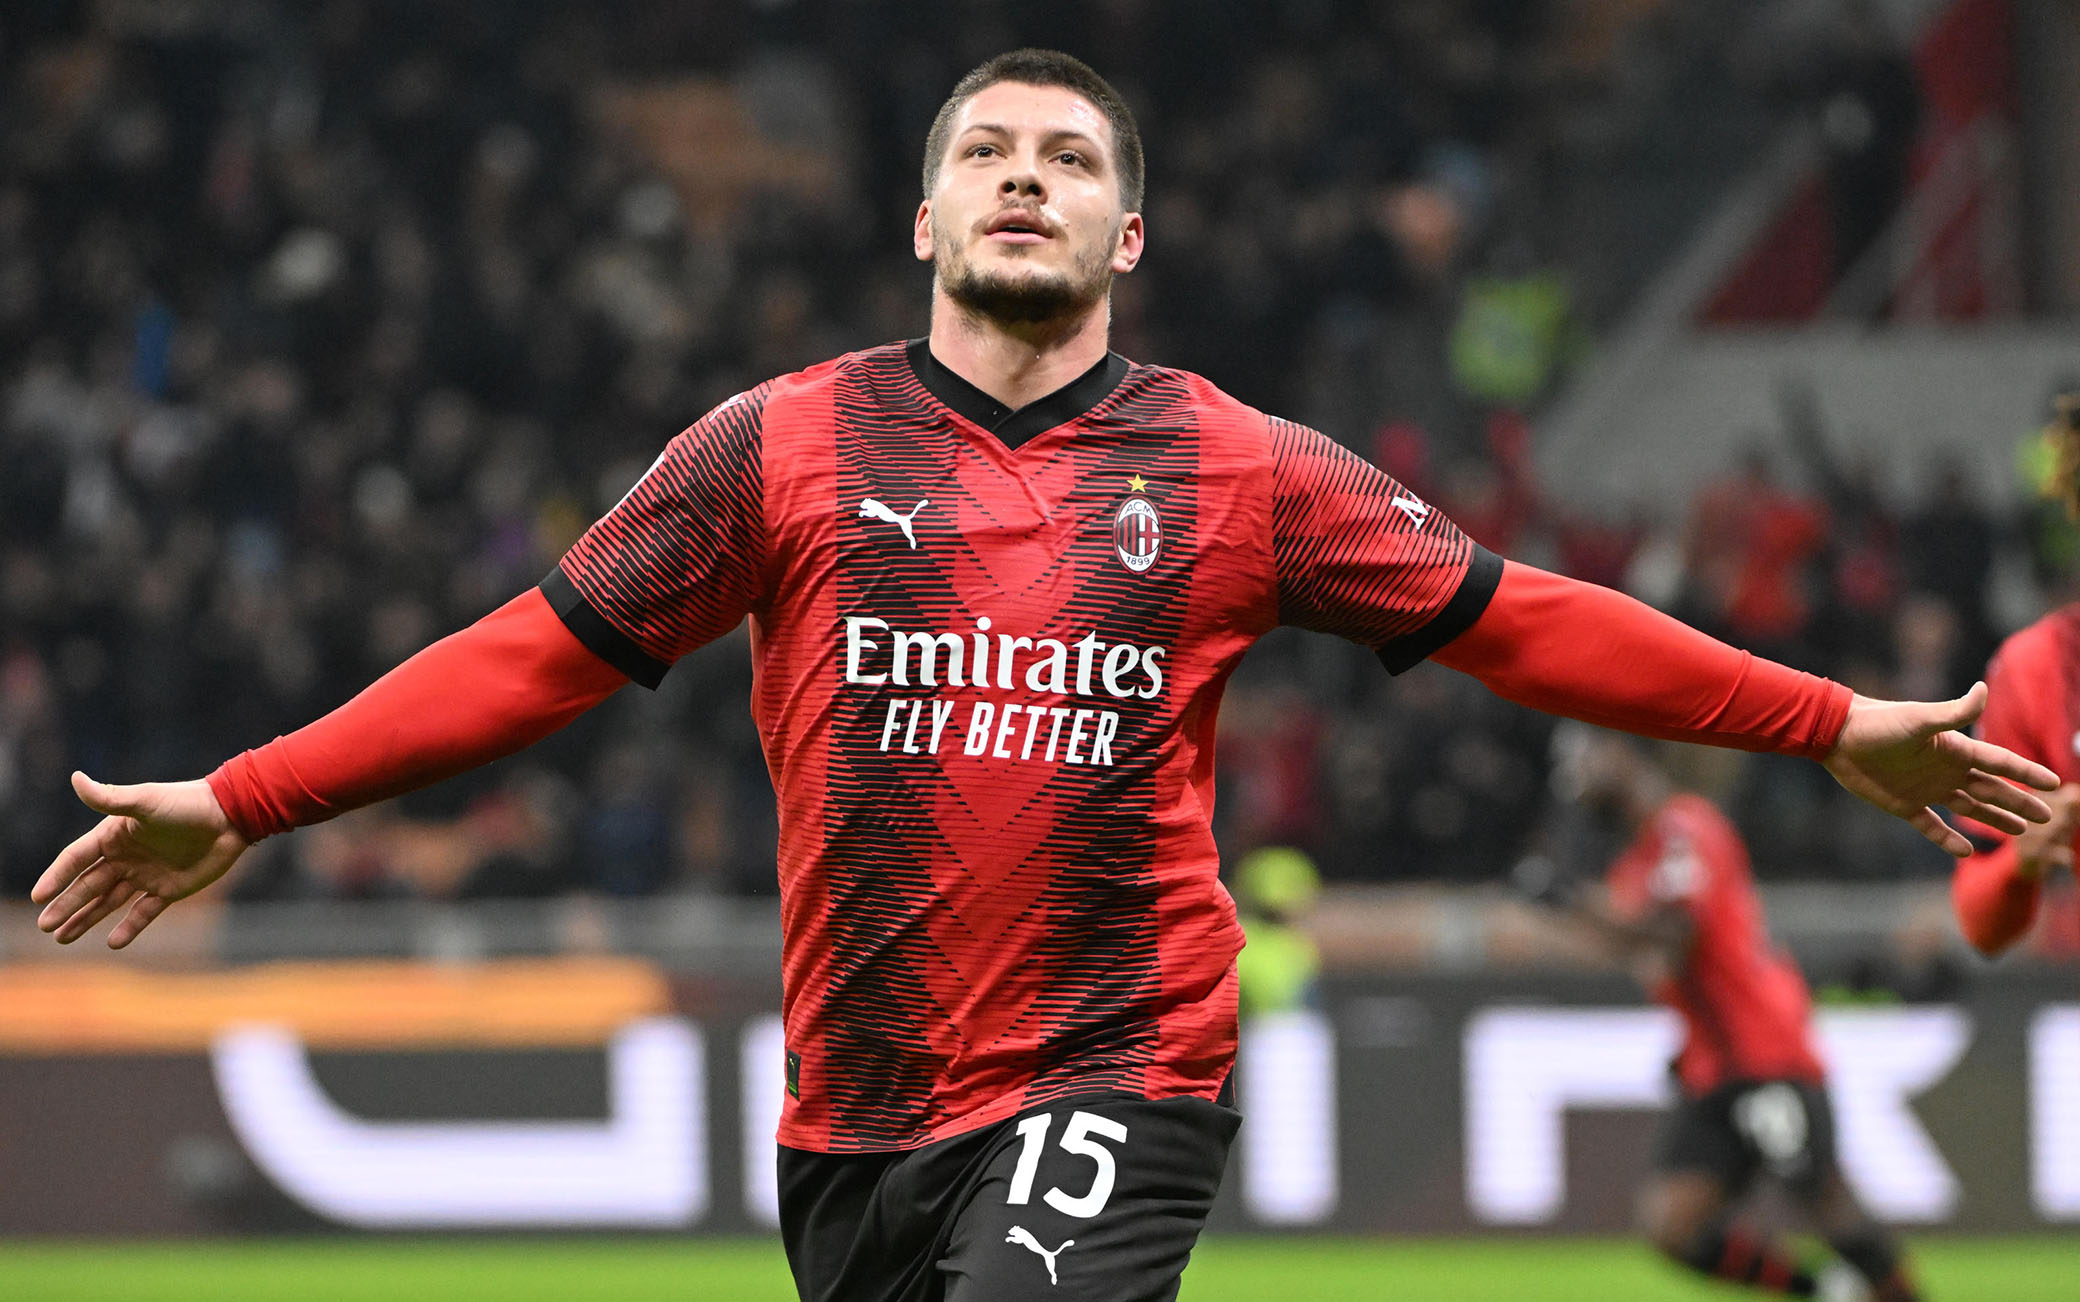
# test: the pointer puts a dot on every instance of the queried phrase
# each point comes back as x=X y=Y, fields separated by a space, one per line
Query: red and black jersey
x=989 y=648
x=1744 y=1006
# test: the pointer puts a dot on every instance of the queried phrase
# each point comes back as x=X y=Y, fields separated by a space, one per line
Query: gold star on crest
x=1138 y=484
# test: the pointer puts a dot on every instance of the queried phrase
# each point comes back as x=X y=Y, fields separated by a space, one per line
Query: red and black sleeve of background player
x=1996 y=905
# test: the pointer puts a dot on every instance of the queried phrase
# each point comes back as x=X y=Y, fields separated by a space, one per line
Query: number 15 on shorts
x=1076 y=1139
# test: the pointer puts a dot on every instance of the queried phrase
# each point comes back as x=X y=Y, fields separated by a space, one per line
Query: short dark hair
x=1032 y=67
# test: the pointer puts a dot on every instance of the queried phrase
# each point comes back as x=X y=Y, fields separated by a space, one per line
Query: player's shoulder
x=1179 y=380
x=1213 y=408
x=1251 y=435
x=820 y=382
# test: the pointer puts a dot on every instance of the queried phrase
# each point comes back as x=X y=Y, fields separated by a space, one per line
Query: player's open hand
x=1906 y=756
x=160 y=842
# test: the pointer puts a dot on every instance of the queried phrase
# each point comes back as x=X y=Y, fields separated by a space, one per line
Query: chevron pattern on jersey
x=988 y=680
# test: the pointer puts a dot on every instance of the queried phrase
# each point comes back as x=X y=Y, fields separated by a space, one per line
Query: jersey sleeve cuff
x=1483 y=576
x=597 y=634
x=238 y=795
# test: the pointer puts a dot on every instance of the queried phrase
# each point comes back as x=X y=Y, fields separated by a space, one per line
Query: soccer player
x=1679 y=906
x=997 y=578
x=2031 y=710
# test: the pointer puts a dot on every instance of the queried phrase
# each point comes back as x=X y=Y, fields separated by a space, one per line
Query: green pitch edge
x=2043 y=1269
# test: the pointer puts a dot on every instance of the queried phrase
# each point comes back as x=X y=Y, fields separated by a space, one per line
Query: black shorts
x=1097 y=1198
x=1743 y=1129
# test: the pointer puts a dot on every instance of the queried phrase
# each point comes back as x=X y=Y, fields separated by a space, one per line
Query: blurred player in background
x=1679 y=907
x=997 y=579
x=2033 y=709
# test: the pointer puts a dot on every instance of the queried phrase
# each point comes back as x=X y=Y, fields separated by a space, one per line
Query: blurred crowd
x=325 y=327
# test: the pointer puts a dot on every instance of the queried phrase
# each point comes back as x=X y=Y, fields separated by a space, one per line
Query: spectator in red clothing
x=1749 y=543
x=1680 y=908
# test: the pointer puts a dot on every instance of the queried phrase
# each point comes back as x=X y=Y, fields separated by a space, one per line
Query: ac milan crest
x=1137 y=534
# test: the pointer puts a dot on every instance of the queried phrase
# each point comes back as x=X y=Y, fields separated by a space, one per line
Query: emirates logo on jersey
x=1137 y=534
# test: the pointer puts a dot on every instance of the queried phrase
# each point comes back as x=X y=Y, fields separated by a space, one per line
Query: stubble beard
x=1007 y=297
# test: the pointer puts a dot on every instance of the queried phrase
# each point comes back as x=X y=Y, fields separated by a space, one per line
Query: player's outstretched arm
x=159 y=842
x=1586 y=652
x=501 y=684
x=1907 y=756
x=1996 y=892
x=1995 y=899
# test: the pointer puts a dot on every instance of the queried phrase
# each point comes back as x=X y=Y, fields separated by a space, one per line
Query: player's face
x=1025 y=223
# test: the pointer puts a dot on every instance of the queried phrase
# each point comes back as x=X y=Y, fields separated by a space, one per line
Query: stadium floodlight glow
x=645 y=1165
x=762 y=1071
x=2054 y=1069
x=1878 y=1060
x=1288 y=1089
x=1525 y=1067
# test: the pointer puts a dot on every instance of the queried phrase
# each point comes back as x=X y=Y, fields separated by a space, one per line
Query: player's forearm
x=499 y=685
x=1587 y=652
x=1995 y=898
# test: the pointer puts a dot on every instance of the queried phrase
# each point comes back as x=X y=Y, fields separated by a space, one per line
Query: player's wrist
x=236 y=797
x=202 y=797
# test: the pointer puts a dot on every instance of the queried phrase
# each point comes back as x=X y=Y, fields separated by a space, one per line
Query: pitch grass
x=2044 y=1269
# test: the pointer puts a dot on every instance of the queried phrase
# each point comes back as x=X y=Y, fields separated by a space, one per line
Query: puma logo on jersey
x=875 y=509
x=1415 y=509
x=1020 y=1234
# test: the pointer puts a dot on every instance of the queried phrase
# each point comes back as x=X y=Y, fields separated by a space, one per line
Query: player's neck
x=1017 y=364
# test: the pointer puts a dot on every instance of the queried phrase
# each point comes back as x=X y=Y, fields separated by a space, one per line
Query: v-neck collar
x=1015 y=428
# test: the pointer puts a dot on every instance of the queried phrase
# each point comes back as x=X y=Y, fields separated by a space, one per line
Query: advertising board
x=604 y=1093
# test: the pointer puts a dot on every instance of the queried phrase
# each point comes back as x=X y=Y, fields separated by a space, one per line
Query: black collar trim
x=1015 y=428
